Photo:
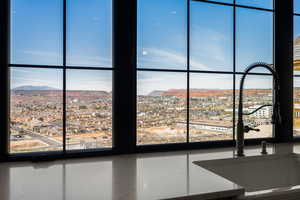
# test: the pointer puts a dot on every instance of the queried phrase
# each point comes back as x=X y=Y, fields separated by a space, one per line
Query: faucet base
x=240 y=155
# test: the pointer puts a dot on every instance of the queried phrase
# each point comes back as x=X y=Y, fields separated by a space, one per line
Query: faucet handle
x=248 y=128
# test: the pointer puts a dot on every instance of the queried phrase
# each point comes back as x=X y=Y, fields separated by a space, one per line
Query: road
x=44 y=139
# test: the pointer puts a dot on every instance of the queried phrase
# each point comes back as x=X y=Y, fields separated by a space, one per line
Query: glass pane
x=297 y=6
x=36 y=32
x=223 y=1
x=211 y=46
x=89 y=109
x=162 y=34
x=296 y=106
x=89 y=33
x=257 y=3
x=257 y=92
x=254 y=37
x=211 y=105
x=36 y=110
x=161 y=107
x=297 y=45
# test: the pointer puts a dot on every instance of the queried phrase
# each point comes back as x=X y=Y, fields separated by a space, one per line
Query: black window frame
x=124 y=82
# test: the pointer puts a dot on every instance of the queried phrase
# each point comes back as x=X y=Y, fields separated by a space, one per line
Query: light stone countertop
x=170 y=175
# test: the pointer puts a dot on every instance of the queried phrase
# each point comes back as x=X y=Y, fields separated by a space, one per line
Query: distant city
x=297 y=111
x=36 y=117
x=296 y=124
x=162 y=115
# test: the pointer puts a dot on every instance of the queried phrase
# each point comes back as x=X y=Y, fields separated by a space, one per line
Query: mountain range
x=32 y=87
x=207 y=92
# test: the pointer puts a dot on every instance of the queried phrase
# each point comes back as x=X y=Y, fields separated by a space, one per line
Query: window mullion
x=4 y=73
x=283 y=63
x=124 y=75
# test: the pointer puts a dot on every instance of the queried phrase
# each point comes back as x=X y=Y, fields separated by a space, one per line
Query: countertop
x=171 y=175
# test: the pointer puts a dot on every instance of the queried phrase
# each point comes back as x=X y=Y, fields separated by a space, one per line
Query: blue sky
x=257 y=3
x=297 y=6
x=149 y=81
x=162 y=41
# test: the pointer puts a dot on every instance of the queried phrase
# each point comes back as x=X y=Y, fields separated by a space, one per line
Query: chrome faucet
x=276 y=119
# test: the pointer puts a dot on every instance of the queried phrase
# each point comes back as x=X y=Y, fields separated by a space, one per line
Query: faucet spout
x=276 y=119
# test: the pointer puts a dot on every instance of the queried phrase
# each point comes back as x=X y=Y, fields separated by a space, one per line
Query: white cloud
x=40 y=53
x=212 y=47
x=76 y=60
x=79 y=60
x=164 y=58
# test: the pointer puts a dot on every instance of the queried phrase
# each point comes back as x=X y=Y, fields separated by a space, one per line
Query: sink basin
x=260 y=175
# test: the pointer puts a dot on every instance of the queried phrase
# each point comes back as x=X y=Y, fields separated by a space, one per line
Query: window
x=161 y=95
x=296 y=68
x=296 y=106
x=211 y=39
x=161 y=102
x=211 y=107
x=61 y=75
x=257 y=92
x=157 y=48
x=89 y=109
x=36 y=110
x=296 y=7
x=254 y=37
x=89 y=33
x=167 y=76
x=37 y=42
x=186 y=52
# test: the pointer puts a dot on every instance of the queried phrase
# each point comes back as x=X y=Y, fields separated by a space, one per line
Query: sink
x=264 y=175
